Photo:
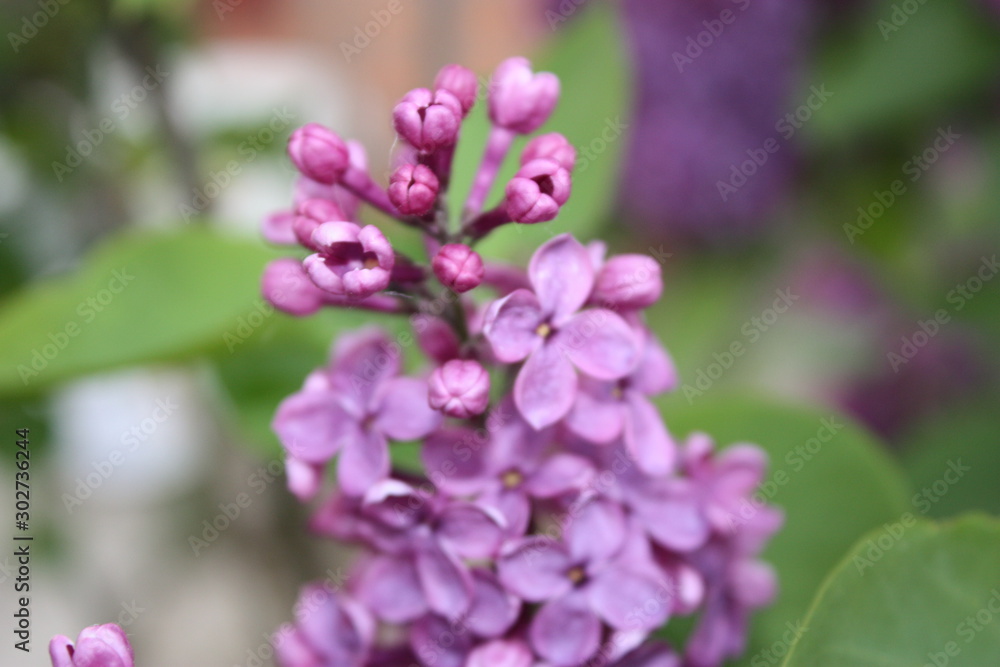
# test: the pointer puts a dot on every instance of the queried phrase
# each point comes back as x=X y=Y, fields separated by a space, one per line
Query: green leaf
x=952 y=461
x=883 y=79
x=589 y=58
x=140 y=298
x=831 y=478
x=925 y=594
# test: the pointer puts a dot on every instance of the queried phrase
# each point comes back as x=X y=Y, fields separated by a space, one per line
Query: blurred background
x=820 y=180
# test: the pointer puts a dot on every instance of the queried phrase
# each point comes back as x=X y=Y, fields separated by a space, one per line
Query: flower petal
x=600 y=343
x=501 y=653
x=562 y=275
x=455 y=461
x=470 y=530
x=493 y=609
x=363 y=361
x=446 y=583
x=511 y=325
x=629 y=601
x=113 y=636
x=656 y=372
x=60 y=648
x=596 y=531
x=545 y=387
x=596 y=416
x=672 y=515
x=312 y=425
x=561 y=473
x=646 y=436
x=565 y=631
x=534 y=568
x=390 y=588
x=364 y=461
x=403 y=412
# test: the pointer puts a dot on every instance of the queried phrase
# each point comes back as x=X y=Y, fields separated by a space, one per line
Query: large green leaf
x=140 y=298
x=922 y=594
x=831 y=491
x=589 y=58
x=899 y=69
x=952 y=461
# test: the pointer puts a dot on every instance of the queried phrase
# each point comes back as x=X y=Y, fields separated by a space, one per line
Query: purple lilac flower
x=508 y=472
x=546 y=327
x=561 y=525
x=330 y=630
x=352 y=408
x=96 y=646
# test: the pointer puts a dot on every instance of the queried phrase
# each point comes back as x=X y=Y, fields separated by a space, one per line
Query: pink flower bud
x=312 y=213
x=96 y=645
x=352 y=261
x=460 y=82
x=458 y=267
x=277 y=228
x=537 y=191
x=629 y=282
x=413 y=189
x=519 y=99
x=428 y=120
x=552 y=146
x=286 y=286
x=460 y=389
x=318 y=153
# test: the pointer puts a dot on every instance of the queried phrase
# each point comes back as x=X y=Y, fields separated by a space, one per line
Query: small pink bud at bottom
x=413 y=189
x=319 y=153
x=458 y=267
x=460 y=389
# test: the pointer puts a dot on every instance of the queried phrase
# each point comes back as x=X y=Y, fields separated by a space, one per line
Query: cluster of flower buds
x=553 y=521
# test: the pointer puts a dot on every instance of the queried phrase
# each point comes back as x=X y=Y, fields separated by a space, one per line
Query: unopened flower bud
x=318 y=153
x=460 y=82
x=521 y=100
x=628 y=281
x=428 y=120
x=352 y=261
x=312 y=213
x=96 y=645
x=458 y=267
x=552 y=146
x=286 y=286
x=460 y=388
x=413 y=189
x=537 y=191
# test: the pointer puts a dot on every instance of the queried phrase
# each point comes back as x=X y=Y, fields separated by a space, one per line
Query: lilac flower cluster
x=554 y=522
